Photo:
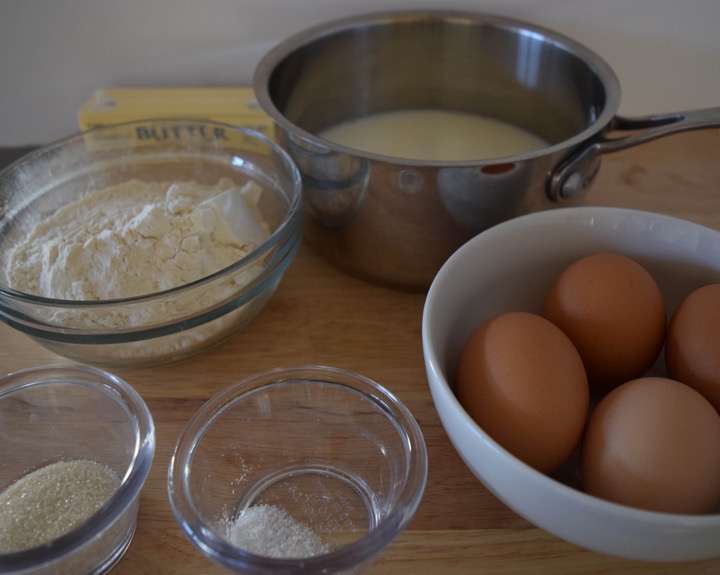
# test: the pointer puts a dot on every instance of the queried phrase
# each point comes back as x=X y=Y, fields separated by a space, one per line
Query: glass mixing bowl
x=53 y=414
x=171 y=324
x=333 y=449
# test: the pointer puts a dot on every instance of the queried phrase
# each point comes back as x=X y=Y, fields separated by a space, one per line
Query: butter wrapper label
x=180 y=135
x=185 y=108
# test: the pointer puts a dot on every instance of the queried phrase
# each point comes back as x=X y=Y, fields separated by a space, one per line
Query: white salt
x=270 y=531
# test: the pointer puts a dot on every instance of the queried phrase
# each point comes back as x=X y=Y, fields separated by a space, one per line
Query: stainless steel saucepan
x=396 y=221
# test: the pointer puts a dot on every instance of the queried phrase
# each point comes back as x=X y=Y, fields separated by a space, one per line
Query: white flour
x=132 y=239
x=138 y=238
x=270 y=531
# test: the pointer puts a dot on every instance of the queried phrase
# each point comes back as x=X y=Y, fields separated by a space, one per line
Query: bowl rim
x=132 y=481
x=269 y=63
x=203 y=536
x=438 y=381
x=281 y=234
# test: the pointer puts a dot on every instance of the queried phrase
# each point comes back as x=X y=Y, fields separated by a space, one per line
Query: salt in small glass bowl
x=338 y=452
x=52 y=414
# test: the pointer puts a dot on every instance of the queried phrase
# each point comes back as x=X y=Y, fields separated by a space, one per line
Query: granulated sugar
x=270 y=531
x=51 y=501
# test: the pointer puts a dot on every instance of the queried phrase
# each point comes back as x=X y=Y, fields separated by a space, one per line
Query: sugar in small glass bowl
x=70 y=428
x=304 y=470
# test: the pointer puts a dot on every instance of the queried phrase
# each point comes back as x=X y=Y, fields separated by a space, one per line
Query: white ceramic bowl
x=510 y=267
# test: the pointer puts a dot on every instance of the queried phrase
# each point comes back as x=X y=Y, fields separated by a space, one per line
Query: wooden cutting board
x=319 y=315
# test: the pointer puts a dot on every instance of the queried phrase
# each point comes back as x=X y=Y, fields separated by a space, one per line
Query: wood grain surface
x=319 y=315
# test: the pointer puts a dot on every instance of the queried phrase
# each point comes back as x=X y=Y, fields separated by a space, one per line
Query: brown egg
x=523 y=382
x=612 y=310
x=692 y=349
x=654 y=443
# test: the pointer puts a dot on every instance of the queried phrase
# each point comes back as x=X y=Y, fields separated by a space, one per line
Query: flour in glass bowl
x=138 y=238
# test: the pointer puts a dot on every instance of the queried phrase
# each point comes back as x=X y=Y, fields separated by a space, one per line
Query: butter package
x=235 y=106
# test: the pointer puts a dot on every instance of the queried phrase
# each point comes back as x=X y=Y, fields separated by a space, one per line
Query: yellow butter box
x=231 y=105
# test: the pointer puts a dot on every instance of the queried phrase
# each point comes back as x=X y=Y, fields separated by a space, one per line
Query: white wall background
x=55 y=53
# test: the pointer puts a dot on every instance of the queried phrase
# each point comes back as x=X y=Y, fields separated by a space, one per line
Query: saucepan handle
x=573 y=175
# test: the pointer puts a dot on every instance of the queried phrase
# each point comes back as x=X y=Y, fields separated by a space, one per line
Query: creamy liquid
x=433 y=135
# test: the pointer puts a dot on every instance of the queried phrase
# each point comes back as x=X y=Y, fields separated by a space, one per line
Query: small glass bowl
x=52 y=414
x=334 y=449
x=171 y=324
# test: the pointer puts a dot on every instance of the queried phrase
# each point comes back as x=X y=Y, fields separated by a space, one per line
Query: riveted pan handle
x=573 y=175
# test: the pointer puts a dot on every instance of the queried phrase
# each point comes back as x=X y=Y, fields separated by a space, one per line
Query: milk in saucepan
x=434 y=135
